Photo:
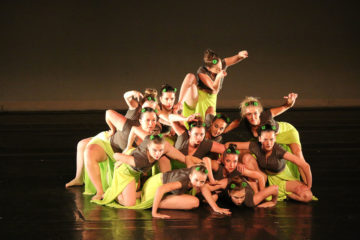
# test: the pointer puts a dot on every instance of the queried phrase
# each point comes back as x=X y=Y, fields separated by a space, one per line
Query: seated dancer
x=200 y=92
x=268 y=158
x=229 y=169
x=130 y=167
x=99 y=160
x=253 y=116
x=192 y=142
x=177 y=182
x=134 y=100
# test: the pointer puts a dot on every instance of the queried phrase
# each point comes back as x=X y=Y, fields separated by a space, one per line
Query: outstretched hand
x=290 y=99
x=267 y=204
x=243 y=54
x=158 y=215
x=222 y=211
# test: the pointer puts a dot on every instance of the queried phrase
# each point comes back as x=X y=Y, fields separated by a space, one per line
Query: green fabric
x=287 y=134
x=106 y=167
x=123 y=175
x=150 y=187
x=205 y=100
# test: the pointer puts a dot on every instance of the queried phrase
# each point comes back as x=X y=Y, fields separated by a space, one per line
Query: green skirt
x=106 y=167
x=205 y=100
x=123 y=175
x=287 y=134
x=282 y=177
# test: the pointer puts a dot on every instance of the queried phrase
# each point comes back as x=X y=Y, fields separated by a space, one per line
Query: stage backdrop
x=78 y=55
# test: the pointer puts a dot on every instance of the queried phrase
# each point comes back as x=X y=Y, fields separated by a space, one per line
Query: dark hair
x=197 y=122
x=232 y=149
x=270 y=125
x=167 y=88
x=199 y=168
x=236 y=184
x=150 y=94
x=147 y=109
x=223 y=117
x=156 y=138
x=210 y=58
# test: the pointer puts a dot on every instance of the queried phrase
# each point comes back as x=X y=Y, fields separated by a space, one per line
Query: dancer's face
x=267 y=139
x=230 y=162
x=217 y=127
x=197 y=178
x=216 y=68
x=167 y=99
x=150 y=104
x=148 y=121
x=252 y=114
x=156 y=150
x=237 y=197
x=197 y=135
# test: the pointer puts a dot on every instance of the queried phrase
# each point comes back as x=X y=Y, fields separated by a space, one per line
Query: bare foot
x=74 y=182
x=98 y=197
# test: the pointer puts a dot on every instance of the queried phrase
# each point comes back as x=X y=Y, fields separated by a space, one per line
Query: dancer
x=270 y=161
x=178 y=183
x=192 y=142
x=200 y=92
x=99 y=160
x=130 y=167
x=135 y=100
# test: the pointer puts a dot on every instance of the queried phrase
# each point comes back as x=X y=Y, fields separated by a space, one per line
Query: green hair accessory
x=228 y=150
x=256 y=103
x=164 y=90
x=243 y=184
x=263 y=127
x=206 y=171
x=237 y=151
x=215 y=61
x=273 y=128
x=160 y=135
x=204 y=124
x=232 y=186
x=175 y=89
x=143 y=110
x=218 y=115
x=228 y=120
x=149 y=98
x=152 y=137
x=197 y=168
x=156 y=111
x=192 y=125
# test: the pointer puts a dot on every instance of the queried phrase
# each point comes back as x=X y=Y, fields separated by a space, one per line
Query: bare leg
x=93 y=155
x=78 y=180
x=299 y=191
x=183 y=201
x=188 y=92
x=296 y=150
x=250 y=162
x=128 y=196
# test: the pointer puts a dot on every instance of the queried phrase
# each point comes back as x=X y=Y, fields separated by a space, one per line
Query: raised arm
x=132 y=99
x=213 y=85
x=114 y=120
x=290 y=101
x=175 y=120
x=159 y=195
x=234 y=124
x=136 y=131
x=302 y=164
x=236 y=58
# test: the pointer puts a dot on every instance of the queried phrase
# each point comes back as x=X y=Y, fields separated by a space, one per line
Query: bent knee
x=306 y=196
x=194 y=203
x=247 y=159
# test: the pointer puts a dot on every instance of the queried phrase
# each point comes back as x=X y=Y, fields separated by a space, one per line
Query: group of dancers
x=163 y=155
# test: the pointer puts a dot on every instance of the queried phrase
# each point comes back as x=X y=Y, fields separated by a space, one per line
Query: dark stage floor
x=38 y=158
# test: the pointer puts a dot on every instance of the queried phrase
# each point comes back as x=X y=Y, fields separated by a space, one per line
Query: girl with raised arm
x=99 y=160
x=135 y=100
x=130 y=167
x=199 y=92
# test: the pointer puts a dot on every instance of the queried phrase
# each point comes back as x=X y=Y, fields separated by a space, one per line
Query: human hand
x=158 y=215
x=267 y=204
x=222 y=211
x=243 y=54
x=290 y=99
